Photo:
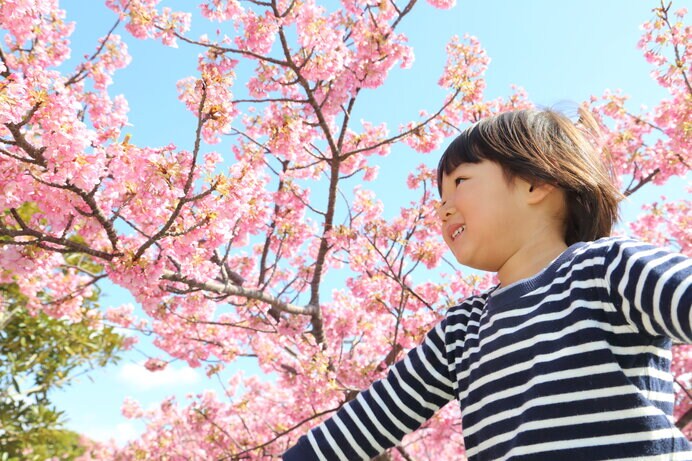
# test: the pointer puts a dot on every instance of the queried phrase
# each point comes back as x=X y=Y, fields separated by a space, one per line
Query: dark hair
x=547 y=147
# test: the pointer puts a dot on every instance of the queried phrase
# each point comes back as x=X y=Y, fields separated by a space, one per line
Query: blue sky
x=558 y=51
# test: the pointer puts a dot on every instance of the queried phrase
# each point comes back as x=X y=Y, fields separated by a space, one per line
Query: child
x=568 y=357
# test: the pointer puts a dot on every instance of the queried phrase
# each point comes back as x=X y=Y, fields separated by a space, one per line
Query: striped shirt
x=571 y=364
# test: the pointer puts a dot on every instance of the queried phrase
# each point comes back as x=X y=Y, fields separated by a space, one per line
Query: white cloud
x=121 y=433
x=141 y=379
x=125 y=432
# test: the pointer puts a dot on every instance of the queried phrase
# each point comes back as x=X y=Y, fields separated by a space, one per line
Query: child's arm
x=653 y=288
x=381 y=416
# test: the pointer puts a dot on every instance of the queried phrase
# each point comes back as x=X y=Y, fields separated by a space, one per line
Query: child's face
x=481 y=215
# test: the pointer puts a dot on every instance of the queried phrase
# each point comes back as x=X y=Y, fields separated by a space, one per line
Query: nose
x=445 y=210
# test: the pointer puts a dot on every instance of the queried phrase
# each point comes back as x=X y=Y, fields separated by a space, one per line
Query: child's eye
x=459 y=181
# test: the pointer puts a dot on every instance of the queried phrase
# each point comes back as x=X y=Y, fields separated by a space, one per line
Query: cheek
x=461 y=199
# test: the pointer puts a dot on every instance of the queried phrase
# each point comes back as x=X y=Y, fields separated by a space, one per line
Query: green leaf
x=43 y=353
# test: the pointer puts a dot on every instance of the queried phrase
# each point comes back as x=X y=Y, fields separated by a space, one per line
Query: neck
x=531 y=258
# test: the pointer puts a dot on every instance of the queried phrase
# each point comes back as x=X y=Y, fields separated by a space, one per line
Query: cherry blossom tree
x=234 y=263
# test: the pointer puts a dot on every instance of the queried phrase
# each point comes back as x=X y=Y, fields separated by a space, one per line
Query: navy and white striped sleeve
x=652 y=287
x=414 y=389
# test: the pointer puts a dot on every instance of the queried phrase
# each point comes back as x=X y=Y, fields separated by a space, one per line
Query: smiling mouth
x=458 y=232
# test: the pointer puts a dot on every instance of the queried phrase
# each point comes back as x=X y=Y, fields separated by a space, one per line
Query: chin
x=465 y=261
x=475 y=265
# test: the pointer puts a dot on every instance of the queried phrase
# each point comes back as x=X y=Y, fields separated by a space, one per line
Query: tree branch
x=684 y=420
x=676 y=50
x=40 y=237
x=282 y=433
x=201 y=120
x=81 y=73
x=221 y=49
x=5 y=73
x=235 y=290
x=21 y=142
x=407 y=9
x=405 y=133
x=641 y=183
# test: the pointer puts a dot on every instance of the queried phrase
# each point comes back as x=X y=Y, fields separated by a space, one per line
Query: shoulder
x=622 y=242
x=610 y=248
x=591 y=260
x=606 y=244
x=470 y=307
x=582 y=260
x=619 y=256
x=624 y=248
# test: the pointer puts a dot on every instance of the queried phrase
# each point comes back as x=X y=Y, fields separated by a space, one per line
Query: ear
x=538 y=191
